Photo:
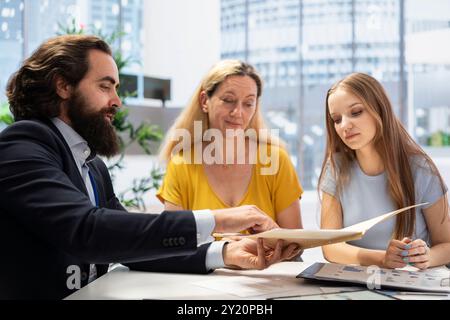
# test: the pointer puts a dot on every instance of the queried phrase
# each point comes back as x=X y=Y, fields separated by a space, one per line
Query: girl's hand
x=419 y=254
x=395 y=254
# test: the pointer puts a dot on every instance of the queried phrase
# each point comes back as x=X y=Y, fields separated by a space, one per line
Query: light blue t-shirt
x=366 y=197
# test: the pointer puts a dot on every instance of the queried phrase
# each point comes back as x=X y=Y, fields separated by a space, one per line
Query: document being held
x=316 y=238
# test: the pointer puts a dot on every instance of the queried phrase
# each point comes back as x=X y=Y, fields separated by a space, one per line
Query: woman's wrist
x=380 y=259
x=373 y=257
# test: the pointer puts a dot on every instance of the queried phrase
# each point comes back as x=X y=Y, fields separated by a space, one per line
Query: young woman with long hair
x=373 y=166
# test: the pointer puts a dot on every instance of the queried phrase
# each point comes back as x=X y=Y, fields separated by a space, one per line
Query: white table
x=278 y=280
x=223 y=284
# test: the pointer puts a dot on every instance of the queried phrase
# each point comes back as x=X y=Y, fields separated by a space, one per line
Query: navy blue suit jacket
x=47 y=222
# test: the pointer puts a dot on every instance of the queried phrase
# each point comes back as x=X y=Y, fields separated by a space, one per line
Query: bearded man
x=59 y=217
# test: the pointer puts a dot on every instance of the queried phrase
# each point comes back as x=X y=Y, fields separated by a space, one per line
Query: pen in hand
x=229 y=234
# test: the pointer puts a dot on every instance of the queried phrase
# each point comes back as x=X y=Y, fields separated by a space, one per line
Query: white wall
x=182 y=41
x=428 y=10
x=430 y=47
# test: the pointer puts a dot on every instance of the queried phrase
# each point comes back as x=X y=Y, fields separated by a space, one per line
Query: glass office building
x=24 y=24
x=126 y=15
x=11 y=40
x=301 y=47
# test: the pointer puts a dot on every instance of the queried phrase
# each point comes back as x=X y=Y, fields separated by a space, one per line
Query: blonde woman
x=373 y=166
x=227 y=100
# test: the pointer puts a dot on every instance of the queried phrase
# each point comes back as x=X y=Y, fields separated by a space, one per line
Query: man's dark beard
x=92 y=126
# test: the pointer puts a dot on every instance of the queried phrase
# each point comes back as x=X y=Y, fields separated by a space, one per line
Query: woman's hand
x=419 y=254
x=401 y=253
x=396 y=255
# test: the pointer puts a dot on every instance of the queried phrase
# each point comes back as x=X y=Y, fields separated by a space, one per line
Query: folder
x=316 y=238
x=431 y=280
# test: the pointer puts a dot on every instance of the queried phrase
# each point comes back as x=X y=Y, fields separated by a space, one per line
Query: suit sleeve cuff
x=205 y=223
x=214 y=256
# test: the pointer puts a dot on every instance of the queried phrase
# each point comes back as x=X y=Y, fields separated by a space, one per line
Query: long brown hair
x=392 y=142
x=31 y=91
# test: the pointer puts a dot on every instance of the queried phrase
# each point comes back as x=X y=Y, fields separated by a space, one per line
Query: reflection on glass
x=329 y=41
x=10 y=41
x=429 y=71
x=19 y=37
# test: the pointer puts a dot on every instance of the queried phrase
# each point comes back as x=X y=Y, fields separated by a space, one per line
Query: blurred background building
x=300 y=47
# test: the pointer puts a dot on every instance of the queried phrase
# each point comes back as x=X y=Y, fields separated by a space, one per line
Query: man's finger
x=291 y=251
x=261 y=260
x=276 y=256
x=266 y=224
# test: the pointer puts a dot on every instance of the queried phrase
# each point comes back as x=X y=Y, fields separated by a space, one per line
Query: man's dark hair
x=31 y=91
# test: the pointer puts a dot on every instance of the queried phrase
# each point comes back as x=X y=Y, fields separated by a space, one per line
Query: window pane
x=11 y=41
x=428 y=58
x=337 y=38
x=43 y=17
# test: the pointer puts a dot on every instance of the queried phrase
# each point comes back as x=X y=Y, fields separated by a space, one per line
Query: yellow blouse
x=186 y=185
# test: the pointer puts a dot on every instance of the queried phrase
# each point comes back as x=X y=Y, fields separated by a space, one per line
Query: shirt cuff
x=214 y=256
x=205 y=223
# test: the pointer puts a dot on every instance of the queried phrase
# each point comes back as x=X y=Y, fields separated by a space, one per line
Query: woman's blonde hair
x=392 y=142
x=213 y=79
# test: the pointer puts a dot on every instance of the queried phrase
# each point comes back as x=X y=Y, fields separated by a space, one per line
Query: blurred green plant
x=133 y=196
x=143 y=134
x=5 y=115
x=439 y=139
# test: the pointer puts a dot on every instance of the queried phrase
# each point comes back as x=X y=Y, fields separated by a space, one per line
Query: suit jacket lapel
x=73 y=172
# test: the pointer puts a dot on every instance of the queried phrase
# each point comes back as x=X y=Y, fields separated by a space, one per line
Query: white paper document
x=244 y=287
